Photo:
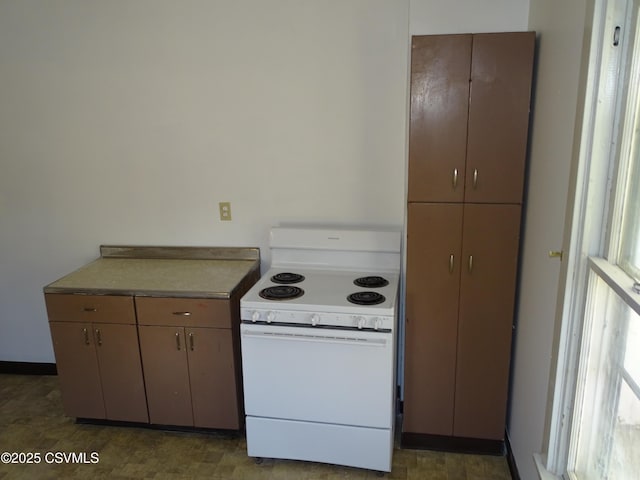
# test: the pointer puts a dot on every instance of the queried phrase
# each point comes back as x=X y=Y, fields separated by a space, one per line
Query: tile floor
x=31 y=420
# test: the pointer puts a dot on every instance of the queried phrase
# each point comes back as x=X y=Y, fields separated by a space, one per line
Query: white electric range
x=318 y=338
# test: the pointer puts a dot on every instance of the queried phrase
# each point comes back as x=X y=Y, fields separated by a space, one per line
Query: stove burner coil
x=281 y=292
x=371 y=282
x=366 y=298
x=286 y=278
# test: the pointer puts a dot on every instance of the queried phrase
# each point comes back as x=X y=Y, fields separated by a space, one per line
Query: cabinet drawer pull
x=451 y=262
x=454 y=180
x=475 y=178
x=178 y=340
x=470 y=263
x=85 y=332
x=191 y=341
x=90 y=309
x=182 y=314
x=99 y=336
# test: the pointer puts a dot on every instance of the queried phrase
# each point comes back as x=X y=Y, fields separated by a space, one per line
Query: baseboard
x=452 y=444
x=223 y=433
x=28 y=368
x=511 y=460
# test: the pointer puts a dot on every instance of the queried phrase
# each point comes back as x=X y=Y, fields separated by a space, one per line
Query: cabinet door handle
x=178 y=340
x=475 y=178
x=470 y=263
x=99 y=336
x=451 y=262
x=454 y=179
x=182 y=314
x=90 y=309
x=86 y=336
x=191 y=341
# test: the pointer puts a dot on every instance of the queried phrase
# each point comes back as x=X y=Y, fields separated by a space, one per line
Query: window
x=602 y=438
x=606 y=438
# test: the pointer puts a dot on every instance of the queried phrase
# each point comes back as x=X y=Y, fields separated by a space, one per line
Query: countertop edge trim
x=138 y=293
x=179 y=253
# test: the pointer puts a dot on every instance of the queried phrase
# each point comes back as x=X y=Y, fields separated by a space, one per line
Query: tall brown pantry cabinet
x=470 y=97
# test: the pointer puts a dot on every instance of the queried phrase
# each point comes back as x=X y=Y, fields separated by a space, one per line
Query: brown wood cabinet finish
x=440 y=67
x=470 y=97
x=166 y=372
x=195 y=312
x=189 y=362
x=501 y=72
x=434 y=245
x=463 y=227
x=98 y=362
x=90 y=308
x=78 y=371
x=487 y=294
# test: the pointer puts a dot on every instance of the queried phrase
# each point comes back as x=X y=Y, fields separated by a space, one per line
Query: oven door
x=318 y=375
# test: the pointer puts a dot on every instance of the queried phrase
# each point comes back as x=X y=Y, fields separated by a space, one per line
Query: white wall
x=126 y=122
x=467 y=16
x=561 y=28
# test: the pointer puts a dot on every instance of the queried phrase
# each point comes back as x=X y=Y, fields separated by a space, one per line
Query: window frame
x=596 y=216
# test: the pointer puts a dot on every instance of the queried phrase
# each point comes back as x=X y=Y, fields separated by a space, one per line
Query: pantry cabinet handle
x=451 y=261
x=99 y=336
x=90 y=309
x=454 y=180
x=182 y=314
x=470 y=263
x=475 y=178
x=191 y=341
x=178 y=340
x=86 y=336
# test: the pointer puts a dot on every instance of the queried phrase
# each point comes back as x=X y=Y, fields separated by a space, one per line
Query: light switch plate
x=225 y=211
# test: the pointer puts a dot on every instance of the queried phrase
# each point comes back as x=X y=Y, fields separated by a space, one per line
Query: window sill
x=618 y=281
x=543 y=473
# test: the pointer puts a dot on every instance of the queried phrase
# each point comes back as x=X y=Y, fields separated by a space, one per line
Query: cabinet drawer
x=193 y=312
x=63 y=307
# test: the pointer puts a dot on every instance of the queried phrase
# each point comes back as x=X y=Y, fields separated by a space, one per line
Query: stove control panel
x=380 y=323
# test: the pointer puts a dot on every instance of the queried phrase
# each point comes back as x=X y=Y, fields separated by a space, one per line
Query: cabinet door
x=120 y=372
x=166 y=373
x=487 y=297
x=212 y=375
x=440 y=67
x=501 y=72
x=433 y=275
x=78 y=370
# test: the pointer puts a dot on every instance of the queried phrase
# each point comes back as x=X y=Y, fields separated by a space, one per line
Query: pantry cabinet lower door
x=487 y=296
x=433 y=278
x=166 y=373
x=213 y=381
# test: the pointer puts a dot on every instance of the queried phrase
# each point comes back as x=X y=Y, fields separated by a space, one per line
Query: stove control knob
x=271 y=316
x=361 y=322
x=255 y=316
x=377 y=323
x=315 y=318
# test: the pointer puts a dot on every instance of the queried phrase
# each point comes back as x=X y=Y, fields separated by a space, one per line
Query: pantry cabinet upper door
x=501 y=72
x=440 y=67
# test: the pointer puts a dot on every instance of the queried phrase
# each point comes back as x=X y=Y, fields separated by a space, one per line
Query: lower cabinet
x=189 y=362
x=98 y=361
x=167 y=361
x=461 y=274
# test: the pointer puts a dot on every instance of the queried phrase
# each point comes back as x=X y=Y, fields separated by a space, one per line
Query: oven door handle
x=301 y=337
